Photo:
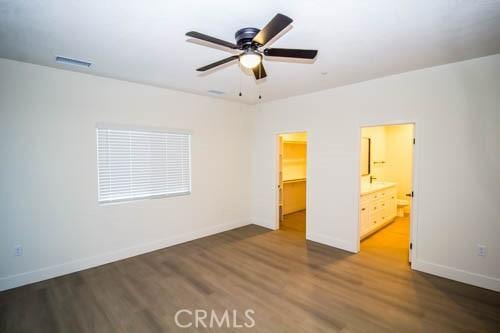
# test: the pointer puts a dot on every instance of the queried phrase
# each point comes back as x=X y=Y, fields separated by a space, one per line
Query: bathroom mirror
x=365 y=156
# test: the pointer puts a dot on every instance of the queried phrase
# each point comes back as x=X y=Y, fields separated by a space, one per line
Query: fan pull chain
x=239 y=81
x=260 y=76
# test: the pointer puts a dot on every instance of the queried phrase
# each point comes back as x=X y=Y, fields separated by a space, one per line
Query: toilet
x=402 y=203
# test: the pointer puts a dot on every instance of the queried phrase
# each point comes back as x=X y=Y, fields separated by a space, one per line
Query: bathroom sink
x=367 y=187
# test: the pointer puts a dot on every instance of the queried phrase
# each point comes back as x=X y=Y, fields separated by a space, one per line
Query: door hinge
x=413 y=140
x=411 y=246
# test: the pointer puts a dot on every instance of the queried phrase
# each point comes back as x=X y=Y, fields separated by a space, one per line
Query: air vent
x=215 y=92
x=74 y=62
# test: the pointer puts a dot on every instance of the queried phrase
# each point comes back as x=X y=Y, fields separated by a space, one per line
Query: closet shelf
x=295 y=142
x=296 y=180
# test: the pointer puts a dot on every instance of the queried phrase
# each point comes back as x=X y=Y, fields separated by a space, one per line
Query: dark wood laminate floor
x=294 y=222
x=292 y=284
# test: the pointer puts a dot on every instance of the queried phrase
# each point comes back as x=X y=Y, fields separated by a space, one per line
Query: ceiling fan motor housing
x=245 y=36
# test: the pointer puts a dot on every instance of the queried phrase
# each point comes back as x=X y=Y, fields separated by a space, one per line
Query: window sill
x=125 y=200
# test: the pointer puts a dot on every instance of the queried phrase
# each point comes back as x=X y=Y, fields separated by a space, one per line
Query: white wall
x=456 y=109
x=377 y=152
x=48 y=192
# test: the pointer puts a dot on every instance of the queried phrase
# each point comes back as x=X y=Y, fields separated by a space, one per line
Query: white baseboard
x=45 y=273
x=456 y=274
x=264 y=223
x=333 y=242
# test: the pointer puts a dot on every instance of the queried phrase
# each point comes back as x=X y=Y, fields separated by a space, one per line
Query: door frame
x=414 y=181
x=277 y=175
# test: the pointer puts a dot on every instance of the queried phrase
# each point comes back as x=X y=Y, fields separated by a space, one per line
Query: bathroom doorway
x=292 y=182
x=386 y=189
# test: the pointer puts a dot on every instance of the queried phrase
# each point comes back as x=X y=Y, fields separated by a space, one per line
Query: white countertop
x=367 y=188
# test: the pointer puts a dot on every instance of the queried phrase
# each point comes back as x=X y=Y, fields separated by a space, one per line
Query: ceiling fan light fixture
x=250 y=59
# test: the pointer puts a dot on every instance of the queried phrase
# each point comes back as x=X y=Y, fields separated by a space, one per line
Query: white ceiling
x=144 y=41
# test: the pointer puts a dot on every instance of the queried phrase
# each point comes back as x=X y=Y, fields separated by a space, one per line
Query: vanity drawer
x=387 y=193
x=374 y=221
x=377 y=206
x=364 y=199
x=382 y=203
x=383 y=218
x=374 y=196
x=378 y=219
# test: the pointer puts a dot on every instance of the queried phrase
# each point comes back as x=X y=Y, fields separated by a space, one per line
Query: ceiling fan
x=250 y=40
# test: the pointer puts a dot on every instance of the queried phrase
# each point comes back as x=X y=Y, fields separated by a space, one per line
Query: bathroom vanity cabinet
x=378 y=207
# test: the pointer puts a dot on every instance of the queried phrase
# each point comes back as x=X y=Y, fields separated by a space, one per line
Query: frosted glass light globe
x=250 y=59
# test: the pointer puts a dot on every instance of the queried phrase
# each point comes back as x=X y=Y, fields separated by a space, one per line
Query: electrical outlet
x=18 y=251
x=482 y=250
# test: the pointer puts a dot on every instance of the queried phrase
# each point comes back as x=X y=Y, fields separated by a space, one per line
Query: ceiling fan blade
x=274 y=27
x=217 y=63
x=211 y=39
x=291 y=53
x=259 y=72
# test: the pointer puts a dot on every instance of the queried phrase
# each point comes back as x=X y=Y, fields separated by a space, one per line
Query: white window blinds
x=138 y=164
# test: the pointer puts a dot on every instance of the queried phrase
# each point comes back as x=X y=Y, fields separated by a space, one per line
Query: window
x=138 y=163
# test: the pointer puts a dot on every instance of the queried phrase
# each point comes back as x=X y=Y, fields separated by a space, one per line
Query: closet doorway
x=292 y=182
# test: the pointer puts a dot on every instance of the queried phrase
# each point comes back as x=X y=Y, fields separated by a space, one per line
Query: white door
x=280 y=177
x=409 y=196
x=410 y=245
